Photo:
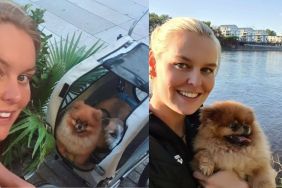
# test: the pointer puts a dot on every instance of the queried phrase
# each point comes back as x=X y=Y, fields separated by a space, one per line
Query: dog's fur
x=230 y=138
x=77 y=145
x=118 y=111
x=116 y=107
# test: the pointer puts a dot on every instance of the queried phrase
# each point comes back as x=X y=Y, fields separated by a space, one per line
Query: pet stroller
x=120 y=72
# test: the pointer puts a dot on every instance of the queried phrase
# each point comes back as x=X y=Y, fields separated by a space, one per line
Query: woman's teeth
x=189 y=94
x=5 y=114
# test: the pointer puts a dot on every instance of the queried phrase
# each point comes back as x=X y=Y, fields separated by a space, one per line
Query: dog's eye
x=114 y=134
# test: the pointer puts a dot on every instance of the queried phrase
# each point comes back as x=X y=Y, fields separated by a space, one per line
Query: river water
x=255 y=79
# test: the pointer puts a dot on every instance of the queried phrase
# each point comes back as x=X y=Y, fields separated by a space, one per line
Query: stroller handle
x=136 y=22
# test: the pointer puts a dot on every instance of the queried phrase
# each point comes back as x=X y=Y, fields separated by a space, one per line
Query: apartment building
x=248 y=34
x=229 y=30
x=274 y=39
x=260 y=36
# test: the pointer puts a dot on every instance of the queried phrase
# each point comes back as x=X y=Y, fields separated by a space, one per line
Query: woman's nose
x=194 y=78
x=11 y=93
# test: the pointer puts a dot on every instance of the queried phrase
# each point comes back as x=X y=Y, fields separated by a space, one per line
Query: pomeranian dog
x=78 y=134
x=230 y=138
x=85 y=128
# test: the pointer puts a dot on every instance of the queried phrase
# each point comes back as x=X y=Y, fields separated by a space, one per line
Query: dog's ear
x=78 y=104
x=210 y=114
x=249 y=116
x=97 y=114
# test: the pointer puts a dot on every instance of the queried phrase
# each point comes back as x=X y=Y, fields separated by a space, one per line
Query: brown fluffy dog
x=78 y=134
x=230 y=138
x=85 y=128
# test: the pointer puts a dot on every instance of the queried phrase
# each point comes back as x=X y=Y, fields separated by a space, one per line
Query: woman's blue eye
x=207 y=70
x=181 y=66
x=24 y=79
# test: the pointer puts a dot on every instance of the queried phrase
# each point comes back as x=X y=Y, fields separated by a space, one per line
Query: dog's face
x=113 y=125
x=113 y=131
x=84 y=120
x=229 y=121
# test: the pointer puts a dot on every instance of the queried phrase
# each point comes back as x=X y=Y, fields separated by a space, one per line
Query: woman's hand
x=9 y=179
x=221 y=179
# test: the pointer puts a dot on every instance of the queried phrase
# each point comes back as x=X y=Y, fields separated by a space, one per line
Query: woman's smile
x=5 y=114
x=188 y=94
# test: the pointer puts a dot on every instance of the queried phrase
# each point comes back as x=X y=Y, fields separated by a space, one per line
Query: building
x=260 y=36
x=248 y=34
x=274 y=39
x=229 y=30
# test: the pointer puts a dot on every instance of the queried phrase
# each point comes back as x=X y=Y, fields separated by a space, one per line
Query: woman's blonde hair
x=13 y=14
x=160 y=34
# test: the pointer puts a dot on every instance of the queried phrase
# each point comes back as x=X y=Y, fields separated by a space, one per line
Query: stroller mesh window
x=82 y=84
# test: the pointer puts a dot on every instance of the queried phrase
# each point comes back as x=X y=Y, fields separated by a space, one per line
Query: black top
x=170 y=157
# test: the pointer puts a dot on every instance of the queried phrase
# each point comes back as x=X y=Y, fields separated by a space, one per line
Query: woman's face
x=17 y=65
x=185 y=72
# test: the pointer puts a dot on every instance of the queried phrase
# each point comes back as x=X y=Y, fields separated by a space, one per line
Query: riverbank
x=251 y=47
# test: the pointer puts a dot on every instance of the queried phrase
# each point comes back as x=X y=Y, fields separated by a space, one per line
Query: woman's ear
x=152 y=65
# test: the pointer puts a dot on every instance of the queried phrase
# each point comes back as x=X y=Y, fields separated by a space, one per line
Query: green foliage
x=68 y=52
x=36 y=14
x=208 y=23
x=270 y=32
x=232 y=38
x=29 y=132
x=156 y=20
x=29 y=140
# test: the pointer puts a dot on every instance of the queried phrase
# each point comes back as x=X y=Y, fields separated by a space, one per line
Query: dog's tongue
x=240 y=140
x=244 y=139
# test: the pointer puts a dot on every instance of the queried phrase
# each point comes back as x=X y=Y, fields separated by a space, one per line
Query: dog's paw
x=206 y=168
x=205 y=164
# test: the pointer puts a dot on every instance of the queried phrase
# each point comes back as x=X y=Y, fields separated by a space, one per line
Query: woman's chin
x=3 y=137
x=188 y=109
x=4 y=132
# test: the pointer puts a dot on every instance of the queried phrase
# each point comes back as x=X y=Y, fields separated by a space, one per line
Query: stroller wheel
x=46 y=185
x=144 y=178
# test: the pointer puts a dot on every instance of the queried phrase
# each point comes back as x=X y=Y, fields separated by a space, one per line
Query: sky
x=257 y=14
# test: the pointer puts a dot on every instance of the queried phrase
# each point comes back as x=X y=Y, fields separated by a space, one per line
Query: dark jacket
x=169 y=157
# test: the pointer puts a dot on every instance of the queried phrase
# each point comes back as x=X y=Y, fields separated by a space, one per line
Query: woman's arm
x=8 y=179
x=221 y=179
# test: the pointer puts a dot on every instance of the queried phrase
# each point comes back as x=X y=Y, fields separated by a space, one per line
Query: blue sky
x=258 y=14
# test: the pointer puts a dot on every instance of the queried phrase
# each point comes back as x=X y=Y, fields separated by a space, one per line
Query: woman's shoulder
x=168 y=157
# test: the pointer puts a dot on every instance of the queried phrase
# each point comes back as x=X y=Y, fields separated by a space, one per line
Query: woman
x=19 y=44
x=184 y=59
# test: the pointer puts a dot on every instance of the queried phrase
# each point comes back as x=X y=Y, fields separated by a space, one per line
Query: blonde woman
x=184 y=59
x=19 y=43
